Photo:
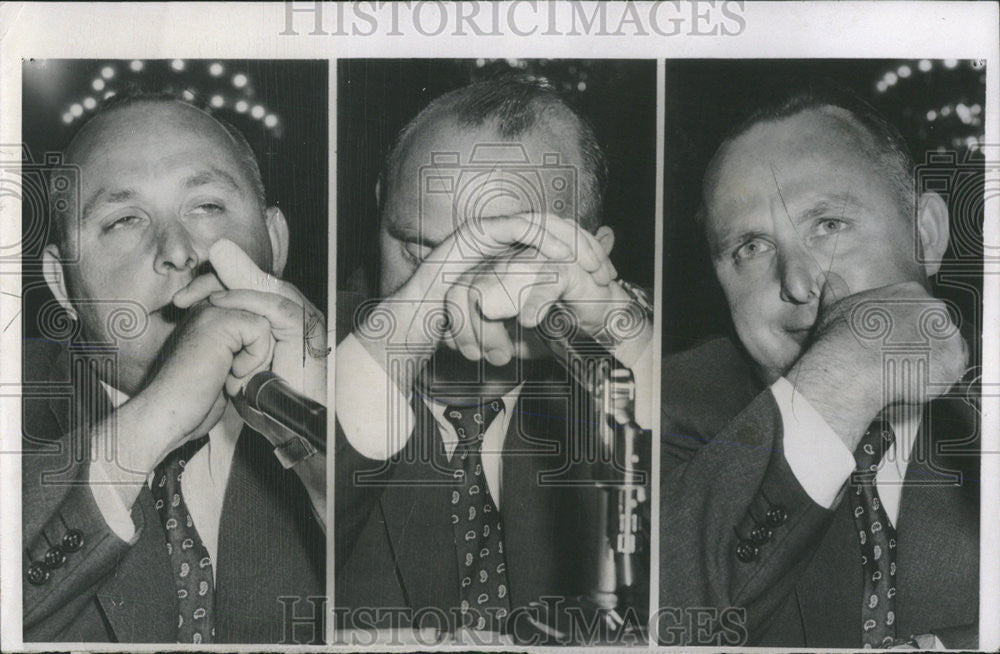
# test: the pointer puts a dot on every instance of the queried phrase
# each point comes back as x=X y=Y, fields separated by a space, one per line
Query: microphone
x=271 y=406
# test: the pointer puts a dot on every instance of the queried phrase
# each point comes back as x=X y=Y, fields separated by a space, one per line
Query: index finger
x=238 y=271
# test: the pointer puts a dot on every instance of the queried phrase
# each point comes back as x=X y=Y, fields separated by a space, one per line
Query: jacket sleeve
x=737 y=528
x=68 y=548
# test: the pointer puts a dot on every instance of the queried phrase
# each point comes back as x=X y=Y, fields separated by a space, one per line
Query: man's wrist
x=836 y=389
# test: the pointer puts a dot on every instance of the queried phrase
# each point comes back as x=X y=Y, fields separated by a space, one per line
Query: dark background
x=376 y=98
x=292 y=152
x=705 y=98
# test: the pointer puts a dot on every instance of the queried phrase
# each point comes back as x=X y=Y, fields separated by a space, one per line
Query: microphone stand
x=623 y=448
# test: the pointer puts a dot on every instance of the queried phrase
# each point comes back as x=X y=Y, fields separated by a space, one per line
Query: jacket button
x=38 y=574
x=760 y=534
x=55 y=557
x=776 y=516
x=746 y=551
x=72 y=540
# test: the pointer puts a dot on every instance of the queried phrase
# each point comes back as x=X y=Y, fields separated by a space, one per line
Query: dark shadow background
x=376 y=98
x=705 y=98
x=291 y=147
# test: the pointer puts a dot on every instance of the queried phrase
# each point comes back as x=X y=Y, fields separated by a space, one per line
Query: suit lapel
x=829 y=591
x=140 y=601
x=415 y=506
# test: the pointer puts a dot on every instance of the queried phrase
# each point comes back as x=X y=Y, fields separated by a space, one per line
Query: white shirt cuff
x=375 y=415
x=642 y=372
x=818 y=458
x=117 y=516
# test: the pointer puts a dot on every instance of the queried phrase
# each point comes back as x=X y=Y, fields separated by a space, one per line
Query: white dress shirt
x=203 y=484
x=378 y=420
x=822 y=463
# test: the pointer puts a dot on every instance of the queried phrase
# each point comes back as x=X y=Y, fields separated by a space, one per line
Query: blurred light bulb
x=931 y=115
x=257 y=112
x=67 y=118
x=924 y=65
x=241 y=106
x=89 y=103
x=904 y=71
x=177 y=64
x=217 y=101
x=271 y=120
x=240 y=80
x=215 y=69
x=76 y=110
x=890 y=78
x=136 y=65
x=98 y=84
x=950 y=63
x=107 y=72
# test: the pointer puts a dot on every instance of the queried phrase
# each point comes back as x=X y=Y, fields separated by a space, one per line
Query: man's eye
x=122 y=222
x=751 y=249
x=207 y=208
x=830 y=226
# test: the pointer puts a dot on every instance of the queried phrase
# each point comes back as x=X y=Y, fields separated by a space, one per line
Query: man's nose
x=800 y=275
x=175 y=249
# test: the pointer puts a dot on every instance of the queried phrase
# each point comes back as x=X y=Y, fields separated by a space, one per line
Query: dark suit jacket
x=724 y=469
x=394 y=544
x=270 y=545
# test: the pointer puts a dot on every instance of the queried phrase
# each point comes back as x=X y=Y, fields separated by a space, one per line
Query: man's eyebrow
x=211 y=176
x=103 y=195
x=830 y=204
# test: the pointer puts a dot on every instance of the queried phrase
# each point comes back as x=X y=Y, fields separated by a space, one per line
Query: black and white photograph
x=820 y=414
x=494 y=350
x=174 y=349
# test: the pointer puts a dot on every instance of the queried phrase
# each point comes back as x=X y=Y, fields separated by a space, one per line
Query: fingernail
x=497 y=357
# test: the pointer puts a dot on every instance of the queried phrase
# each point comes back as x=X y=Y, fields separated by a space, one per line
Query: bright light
x=136 y=65
x=963 y=112
x=67 y=118
x=924 y=65
x=109 y=94
x=950 y=63
x=931 y=115
x=241 y=106
x=881 y=86
x=972 y=143
x=76 y=110
x=581 y=86
x=271 y=120
x=177 y=64
x=975 y=109
x=217 y=101
x=945 y=111
x=215 y=69
x=188 y=95
x=98 y=84
x=257 y=112
x=89 y=103
x=904 y=71
x=891 y=79
x=480 y=63
x=240 y=80
x=107 y=72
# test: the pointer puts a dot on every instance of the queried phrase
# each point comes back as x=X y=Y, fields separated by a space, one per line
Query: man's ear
x=55 y=278
x=606 y=237
x=933 y=230
x=277 y=230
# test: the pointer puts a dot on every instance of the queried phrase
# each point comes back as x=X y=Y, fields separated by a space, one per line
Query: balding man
x=151 y=512
x=813 y=482
x=457 y=487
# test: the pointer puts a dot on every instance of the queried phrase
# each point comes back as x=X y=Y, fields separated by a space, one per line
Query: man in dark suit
x=805 y=500
x=490 y=206
x=151 y=513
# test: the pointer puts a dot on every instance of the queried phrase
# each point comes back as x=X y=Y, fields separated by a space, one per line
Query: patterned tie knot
x=471 y=422
x=873 y=446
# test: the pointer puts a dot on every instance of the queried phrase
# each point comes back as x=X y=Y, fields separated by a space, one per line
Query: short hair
x=513 y=103
x=889 y=151
x=245 y=156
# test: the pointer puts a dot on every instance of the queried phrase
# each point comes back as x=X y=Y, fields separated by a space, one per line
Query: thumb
x=834 y=289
